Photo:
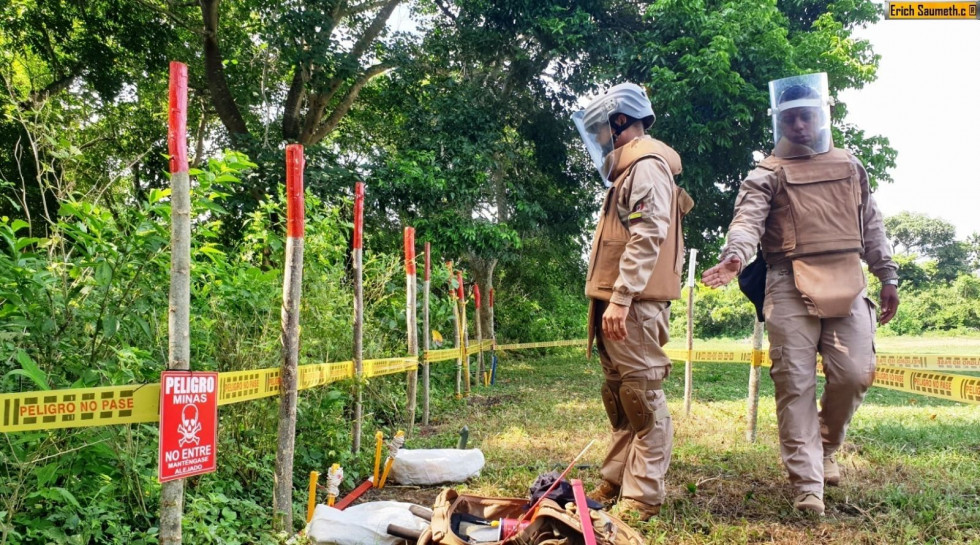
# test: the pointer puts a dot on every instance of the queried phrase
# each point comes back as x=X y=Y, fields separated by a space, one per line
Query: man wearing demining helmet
x=810 y=207
x=634 y=272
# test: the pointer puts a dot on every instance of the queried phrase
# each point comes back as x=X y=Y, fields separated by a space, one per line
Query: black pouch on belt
x=752 y=282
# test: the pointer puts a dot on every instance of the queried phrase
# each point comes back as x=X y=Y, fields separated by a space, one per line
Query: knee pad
x=639 y=408
x=614 y=408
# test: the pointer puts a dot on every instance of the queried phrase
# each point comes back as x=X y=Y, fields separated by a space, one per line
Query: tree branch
x=372 y=32
x=445 y=10
x=199 y=145
x=224 y=103
x=366 y=6
x=345 y=103
x=294 y=99
x=183 y=23
x=313 y=131
x=53 y=88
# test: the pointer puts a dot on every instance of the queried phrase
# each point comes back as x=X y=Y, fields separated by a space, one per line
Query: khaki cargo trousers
x=807 y=435
x=638 y=460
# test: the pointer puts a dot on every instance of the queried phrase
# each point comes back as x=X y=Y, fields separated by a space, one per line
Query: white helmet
x=596 y=129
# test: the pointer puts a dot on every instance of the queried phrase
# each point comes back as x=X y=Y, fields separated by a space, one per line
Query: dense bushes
x=86 y=306
x=938 y=307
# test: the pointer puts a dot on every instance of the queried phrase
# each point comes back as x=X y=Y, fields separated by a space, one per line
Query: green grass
x=911 y=464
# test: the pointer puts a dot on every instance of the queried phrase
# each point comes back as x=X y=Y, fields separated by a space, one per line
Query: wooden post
x=688 y=365
x=172 y=492
x=292 y=288
x=426 y=286
x=311 y=495
x=358 y=310
x=493 y=330
x=464 y=341
x=493 y=340
x=453 y=292
x=752 y=412
x=378 y=440
x=480 y=371
x=411 y=289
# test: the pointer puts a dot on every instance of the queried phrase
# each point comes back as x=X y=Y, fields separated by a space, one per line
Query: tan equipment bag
x=829 y=283
x=553 y=525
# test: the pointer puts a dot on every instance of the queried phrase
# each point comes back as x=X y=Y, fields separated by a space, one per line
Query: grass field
x=911 y=465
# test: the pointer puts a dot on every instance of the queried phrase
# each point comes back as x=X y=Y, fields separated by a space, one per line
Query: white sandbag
x=436 y=466
x=362 y=524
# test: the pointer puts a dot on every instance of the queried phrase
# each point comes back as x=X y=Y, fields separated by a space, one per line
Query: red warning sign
x=188 y=424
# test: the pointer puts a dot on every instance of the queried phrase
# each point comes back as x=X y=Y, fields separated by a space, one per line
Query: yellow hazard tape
x=913 y=373
x=81 y=407
x=931 y=362
x=550 y=344
x=238 y=386
x=950 y=387
x=922 y=362
x=311 y=376
x=132 y=404
x=374 y=368
x=432 y=356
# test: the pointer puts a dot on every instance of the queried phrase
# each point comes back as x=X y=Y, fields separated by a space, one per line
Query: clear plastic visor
x=800 y=115
x=597 y=136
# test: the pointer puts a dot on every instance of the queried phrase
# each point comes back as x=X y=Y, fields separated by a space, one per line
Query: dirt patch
x=419 y=495
x=489 y=401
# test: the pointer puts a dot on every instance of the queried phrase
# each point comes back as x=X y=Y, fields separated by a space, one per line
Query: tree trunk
x=288 y=386
x=482 y=271
x=214 y=71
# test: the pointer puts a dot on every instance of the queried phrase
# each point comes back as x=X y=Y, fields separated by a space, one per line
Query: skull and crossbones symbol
x=190 y=425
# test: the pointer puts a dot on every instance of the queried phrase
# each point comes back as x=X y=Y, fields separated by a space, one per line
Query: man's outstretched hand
x=722 y=273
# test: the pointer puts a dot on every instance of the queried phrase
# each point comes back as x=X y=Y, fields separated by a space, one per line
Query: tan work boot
x=606 y=493
x=635 y=511
x=831 y=471
x=809 y=501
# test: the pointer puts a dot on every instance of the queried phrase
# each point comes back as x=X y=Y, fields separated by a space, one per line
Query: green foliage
x=939 y=307
x=929 y=251
x=723 y=312
x=918 y=233
x=87 y=306
x=707 y=65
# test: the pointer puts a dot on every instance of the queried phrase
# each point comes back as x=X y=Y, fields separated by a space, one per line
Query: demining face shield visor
x=800 y=111
x=598 y=137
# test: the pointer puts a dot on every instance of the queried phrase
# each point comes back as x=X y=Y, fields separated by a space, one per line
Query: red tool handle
x=582 y=506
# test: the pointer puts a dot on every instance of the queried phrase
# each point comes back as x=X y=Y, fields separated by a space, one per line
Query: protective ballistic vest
x=612 y=234
x=816 y=207
x=815 y=221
